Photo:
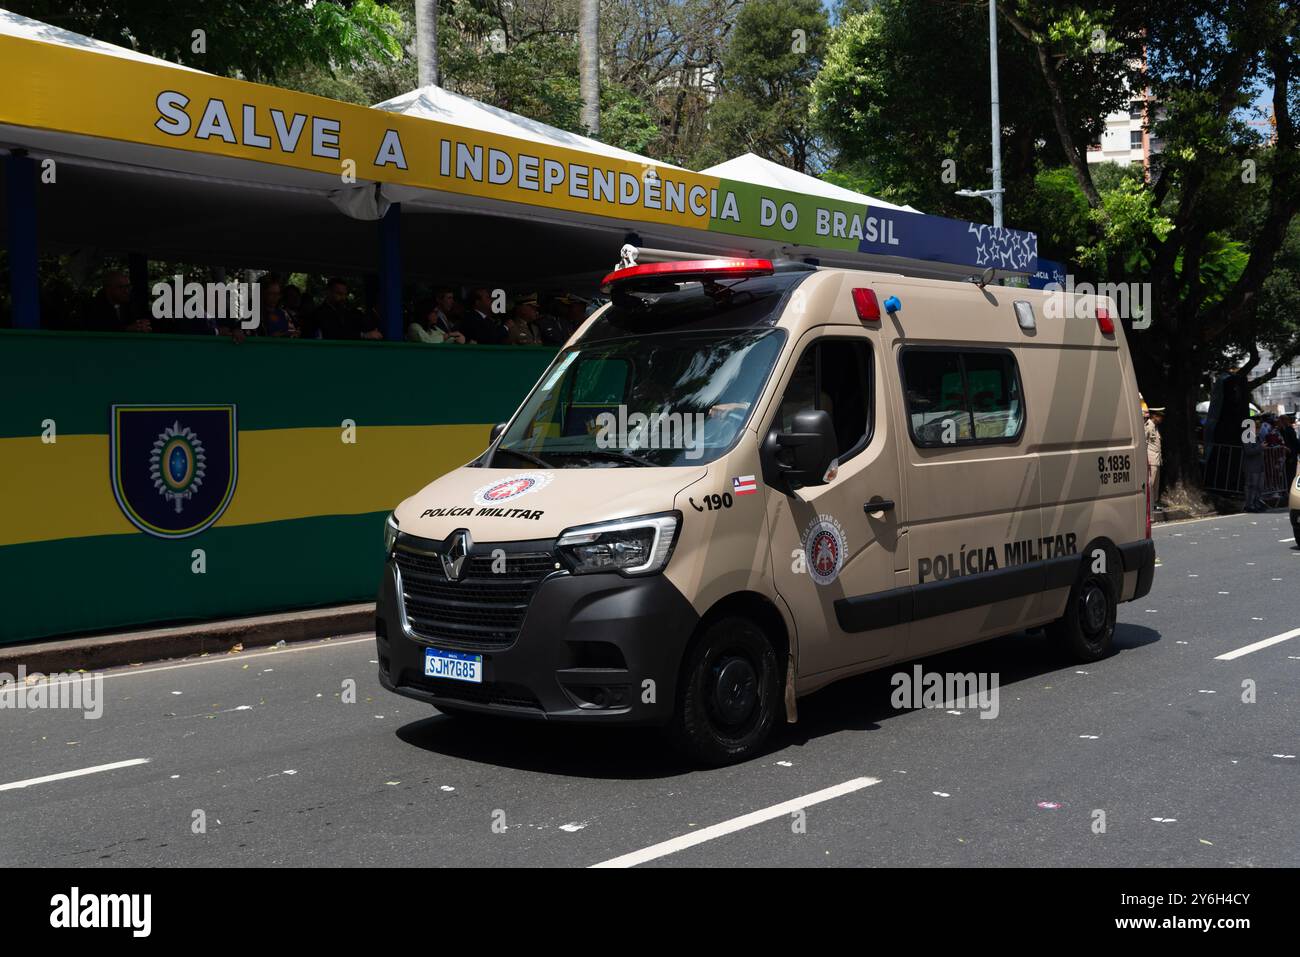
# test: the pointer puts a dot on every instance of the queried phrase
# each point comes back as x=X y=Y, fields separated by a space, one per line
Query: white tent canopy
x=17 y=25
x=435 y=103
x=749 y=168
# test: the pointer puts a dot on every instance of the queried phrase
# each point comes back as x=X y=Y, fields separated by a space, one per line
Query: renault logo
x=455 y=554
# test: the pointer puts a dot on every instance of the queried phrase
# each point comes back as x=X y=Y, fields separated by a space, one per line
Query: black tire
x=1296 y=530
x=729 y=693
x=1087 y=629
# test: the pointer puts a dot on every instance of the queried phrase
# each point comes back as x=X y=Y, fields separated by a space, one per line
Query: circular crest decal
x=177 y=464
x=823 y=545
x=503 y=490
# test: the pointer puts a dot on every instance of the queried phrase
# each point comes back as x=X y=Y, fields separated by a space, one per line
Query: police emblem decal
x=177 y=464
x=824 y=546
x=173 y=468
x=505 y=489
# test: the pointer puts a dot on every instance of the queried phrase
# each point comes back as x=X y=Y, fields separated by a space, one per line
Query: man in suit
x=480 y=324
x=110 y=310
x=335 y=318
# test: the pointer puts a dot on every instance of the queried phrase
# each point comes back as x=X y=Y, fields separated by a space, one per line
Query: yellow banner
x=51 y=87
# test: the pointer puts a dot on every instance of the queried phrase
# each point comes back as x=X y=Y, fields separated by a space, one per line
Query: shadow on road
x=861 y=703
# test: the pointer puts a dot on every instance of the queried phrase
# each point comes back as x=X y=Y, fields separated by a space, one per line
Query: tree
x=259 y=40
x=773 y=54
x=1205 y=230
x=1205 y=64
x=904 y=97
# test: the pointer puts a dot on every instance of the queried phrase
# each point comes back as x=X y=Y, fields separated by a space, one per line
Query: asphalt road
x=1157 y=737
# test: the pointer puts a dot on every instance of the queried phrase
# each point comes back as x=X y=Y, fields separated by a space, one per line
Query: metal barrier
x=1223 y=470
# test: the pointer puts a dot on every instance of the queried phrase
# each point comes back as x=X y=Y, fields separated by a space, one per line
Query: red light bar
x=686 y=270
x=1104 y=322
x=864 y=301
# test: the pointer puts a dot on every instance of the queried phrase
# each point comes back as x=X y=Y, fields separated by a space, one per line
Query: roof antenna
x=986 y=277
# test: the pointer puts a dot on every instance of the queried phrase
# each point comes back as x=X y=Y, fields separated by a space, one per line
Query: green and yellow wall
x=304 y=526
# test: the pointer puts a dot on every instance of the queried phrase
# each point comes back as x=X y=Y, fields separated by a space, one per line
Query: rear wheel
x=1087 y=629
x=729 y=693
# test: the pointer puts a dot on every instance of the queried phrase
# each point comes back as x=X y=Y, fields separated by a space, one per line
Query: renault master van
x=739 y=482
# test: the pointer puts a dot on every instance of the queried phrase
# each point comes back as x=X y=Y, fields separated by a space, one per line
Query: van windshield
x=654 y=400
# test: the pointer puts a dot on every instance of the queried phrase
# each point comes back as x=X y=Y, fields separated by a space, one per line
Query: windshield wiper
x=608 y=454
x=526 y=456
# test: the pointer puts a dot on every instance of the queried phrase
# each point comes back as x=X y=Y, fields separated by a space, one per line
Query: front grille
x=483 y=611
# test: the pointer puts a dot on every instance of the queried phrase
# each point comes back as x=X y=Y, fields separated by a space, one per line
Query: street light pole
x=994 y=195
x=996 y=198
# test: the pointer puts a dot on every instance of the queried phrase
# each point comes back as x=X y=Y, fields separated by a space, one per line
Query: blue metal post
x=390 y=273
x=20 y=227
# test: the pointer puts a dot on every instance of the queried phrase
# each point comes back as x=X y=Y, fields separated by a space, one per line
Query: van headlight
x=390 y=533
x=629 y=546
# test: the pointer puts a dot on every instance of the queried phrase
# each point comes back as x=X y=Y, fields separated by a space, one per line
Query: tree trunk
x=589 y=65
x=426 y=41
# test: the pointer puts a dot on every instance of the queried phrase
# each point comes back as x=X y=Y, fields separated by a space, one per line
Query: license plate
x=453 y=665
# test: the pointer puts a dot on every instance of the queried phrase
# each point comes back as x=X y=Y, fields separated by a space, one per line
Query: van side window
x=833 y=375
x=962 y=398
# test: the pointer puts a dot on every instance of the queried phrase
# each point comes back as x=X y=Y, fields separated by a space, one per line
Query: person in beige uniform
x=1154 y=460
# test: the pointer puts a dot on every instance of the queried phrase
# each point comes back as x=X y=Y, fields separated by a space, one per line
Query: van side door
x=839 y=541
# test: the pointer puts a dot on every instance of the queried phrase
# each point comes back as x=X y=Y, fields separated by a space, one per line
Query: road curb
x=94 y=652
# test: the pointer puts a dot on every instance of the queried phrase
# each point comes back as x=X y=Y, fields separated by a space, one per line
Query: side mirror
x=802 y=456
x=496 y=432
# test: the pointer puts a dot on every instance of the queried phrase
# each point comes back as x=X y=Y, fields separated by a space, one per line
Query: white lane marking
x=736 y=824
x=62 y=775
x=1259 y=645
x=243 y=657
x=1161 y=526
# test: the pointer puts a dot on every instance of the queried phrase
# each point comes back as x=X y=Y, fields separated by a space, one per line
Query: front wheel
x=729 y=693
x=1087 y=629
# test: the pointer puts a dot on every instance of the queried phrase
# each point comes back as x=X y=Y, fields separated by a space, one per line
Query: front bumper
x=585 y=652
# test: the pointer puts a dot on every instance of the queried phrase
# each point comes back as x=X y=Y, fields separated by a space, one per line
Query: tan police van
x=739 y=482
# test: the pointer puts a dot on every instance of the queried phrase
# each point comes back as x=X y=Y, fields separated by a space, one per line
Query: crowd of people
x=1254 y=460
x=1271 y=432
x=483 y=316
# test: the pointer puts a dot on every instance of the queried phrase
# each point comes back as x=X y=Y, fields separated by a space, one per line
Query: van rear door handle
x=881 y=505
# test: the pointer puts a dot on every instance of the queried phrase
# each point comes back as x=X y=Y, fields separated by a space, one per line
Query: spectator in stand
x=291 y=303
x=522 y=324
x=444 y=307
x=480 y=324
x=559 y=322
x=275 y=318
x=336 y=318
x=424 y=327
x=110 y=310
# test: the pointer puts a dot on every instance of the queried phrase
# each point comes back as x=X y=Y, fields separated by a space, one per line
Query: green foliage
x=774 y=53
x=261 y=40
x=878 y=80
x=1123 y=227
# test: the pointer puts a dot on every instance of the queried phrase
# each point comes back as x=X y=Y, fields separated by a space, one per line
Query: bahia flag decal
x=744 y=485
x=173 y=467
